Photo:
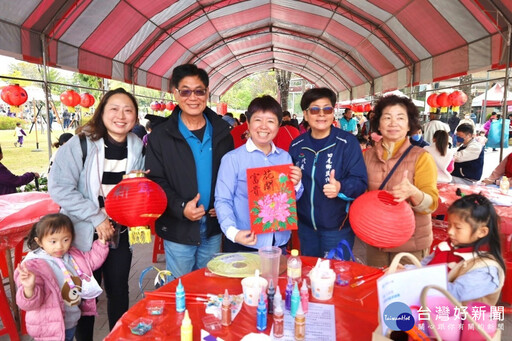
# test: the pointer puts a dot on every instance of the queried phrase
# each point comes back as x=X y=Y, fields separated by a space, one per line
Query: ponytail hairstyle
x=441 y=139
x=49 y=224
x=478 y=211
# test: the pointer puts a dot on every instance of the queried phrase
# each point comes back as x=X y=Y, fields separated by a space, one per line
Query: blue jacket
x=341 y=153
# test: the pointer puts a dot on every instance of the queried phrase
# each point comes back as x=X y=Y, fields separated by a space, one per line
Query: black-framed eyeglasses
x=188 y=92
x=317 y=110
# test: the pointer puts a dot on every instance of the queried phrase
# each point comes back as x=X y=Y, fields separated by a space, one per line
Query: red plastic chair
x=158 y=248
x=7 y=318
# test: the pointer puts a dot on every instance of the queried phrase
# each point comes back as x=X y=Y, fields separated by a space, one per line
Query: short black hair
x=386 y=101
x=265 y=103
x=465 y=128
x=312 y=95
x=286 y=113
x=188 y=70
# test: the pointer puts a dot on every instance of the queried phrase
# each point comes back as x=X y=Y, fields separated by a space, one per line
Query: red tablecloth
x=355 y=308
x=18 y=212
x=447 y=196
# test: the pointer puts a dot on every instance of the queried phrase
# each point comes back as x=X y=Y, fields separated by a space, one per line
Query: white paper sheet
x=405 y=286
x=320 y=324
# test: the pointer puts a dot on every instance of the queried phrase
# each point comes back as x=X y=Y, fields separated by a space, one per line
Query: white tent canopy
x=494 y=97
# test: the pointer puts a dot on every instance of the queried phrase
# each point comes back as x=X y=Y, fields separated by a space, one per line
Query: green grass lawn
x=25 y=159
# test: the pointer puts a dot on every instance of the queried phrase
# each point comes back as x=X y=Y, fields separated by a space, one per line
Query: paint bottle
x=295 y=300
x=261 y=320
x=277 y=297
x=226 y=310
x=278 y=317
x=180 y=298
x=270 y=297
x=186 y=328
x=504 y=185
x=288 y=294
x=300 y=325
x=304 y=296
x=294 y=266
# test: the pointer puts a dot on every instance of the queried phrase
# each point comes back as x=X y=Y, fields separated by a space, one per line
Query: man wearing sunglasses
x=183 y=157
x=348 y=123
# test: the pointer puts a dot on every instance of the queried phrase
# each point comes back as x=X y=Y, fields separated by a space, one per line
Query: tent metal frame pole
x=505 y=87
x=47 y=95
x=483 y=114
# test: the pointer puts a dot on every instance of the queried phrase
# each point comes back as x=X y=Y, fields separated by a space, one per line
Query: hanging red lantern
x=432 y=102
x=457 y=98
x=86 y=100
x=70 y=99
x=380 y=221
x=443 y=101
x=170 y=106
x=136 y=202
x=359 y=108
x=155 y=106
x=162 y=106
x=367 y=107
x=14 y=95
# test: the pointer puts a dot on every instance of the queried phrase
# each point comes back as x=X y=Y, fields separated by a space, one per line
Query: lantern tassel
x=444 y=109
x=71 y=109
x=15 y=109
x=139 y=235
x=455 y=108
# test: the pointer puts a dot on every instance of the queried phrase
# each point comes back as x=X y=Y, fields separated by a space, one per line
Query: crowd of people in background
x=200 y=159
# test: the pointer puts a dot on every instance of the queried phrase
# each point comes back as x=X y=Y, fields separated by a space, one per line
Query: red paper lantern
x=170 y=106
x=155 y=106
x=14 y=95
x=380 y=221
x=70 y=99
x=359 y=108
x=367 y=107
x=86 y=100
x=136 y=201
x=432 y=100
x=458 y=98
x=442 y=100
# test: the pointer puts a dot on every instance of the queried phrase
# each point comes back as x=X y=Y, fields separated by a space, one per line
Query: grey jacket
x=75 y=185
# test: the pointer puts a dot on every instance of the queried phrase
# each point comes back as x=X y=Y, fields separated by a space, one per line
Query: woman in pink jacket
x=55 y=282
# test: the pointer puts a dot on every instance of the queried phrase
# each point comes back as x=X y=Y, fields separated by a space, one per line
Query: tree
x=283 y=86
x=466 y=108
x=88 y=81
x=244 y=91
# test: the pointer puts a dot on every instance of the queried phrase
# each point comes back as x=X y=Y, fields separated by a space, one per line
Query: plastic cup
x=322 y=288
x=269 y=263
x=252 y=288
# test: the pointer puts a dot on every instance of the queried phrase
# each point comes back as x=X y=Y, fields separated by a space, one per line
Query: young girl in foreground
x=473 y=252
x=55 y=283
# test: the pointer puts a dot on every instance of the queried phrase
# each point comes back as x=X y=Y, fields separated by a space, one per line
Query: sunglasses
x=188 y=92
x=325 y=110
